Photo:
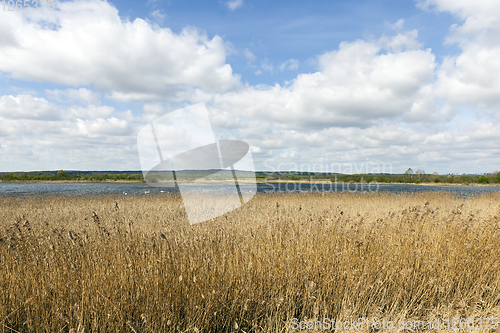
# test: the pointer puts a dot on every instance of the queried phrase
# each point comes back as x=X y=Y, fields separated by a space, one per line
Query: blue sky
x=352 y=83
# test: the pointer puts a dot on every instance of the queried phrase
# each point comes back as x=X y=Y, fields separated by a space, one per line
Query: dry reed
x=122 y=264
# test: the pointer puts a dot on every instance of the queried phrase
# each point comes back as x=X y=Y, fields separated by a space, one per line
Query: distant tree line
x=71 y=175
x=409 y=176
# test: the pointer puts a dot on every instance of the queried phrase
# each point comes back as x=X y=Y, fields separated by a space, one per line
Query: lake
x=141 y=188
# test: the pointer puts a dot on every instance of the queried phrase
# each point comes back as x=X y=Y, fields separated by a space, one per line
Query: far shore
x=70 y=181
x=261 y=181
x=374 y=183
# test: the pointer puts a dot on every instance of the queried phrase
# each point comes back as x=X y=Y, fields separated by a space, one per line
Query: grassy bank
x=119 y=264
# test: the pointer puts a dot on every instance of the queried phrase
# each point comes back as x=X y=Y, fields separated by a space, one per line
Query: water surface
x=144 y=189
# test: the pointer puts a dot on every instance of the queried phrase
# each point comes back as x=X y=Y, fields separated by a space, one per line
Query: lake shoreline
x=122 y=181
x=364 y=183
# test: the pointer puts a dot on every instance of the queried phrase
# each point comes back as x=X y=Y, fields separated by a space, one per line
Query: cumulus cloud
x=402 y=41
x=88 y=43
x=39 y=135
x=27 y=107
x=103 y=127
x=392 y=146
x=357 y=85
x=472 y=77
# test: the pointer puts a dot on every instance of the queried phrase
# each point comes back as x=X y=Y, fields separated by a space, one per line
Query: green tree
x=483 y=180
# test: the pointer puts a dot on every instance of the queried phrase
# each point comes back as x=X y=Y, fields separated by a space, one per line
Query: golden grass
x=134 y=264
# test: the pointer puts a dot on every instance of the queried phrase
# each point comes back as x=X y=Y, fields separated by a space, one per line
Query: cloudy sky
x=358 y=84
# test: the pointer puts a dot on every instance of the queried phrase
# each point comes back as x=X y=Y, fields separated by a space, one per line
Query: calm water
x=140 y=188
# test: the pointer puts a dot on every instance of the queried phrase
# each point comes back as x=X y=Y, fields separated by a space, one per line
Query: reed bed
x=134 y=264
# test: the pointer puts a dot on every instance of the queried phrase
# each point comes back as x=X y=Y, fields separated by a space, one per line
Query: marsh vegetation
x=125 y=263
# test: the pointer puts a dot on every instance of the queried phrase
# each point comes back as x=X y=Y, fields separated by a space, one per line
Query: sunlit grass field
x=134 y=264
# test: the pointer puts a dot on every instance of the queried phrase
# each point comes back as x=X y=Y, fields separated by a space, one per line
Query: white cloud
x=472 y=77
x=84 y=95
x=395 y=144
x=27 y=107
x=91 y=112
x=267 y=65
x=158 y=16
x=402 y=41
x=463 y=8
x=249 y=55
x=396 y=25
x=234 y=4
x=357 y=85
x=103 y=127
x=39 y=135
x=290 y=64
x=87 y=43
